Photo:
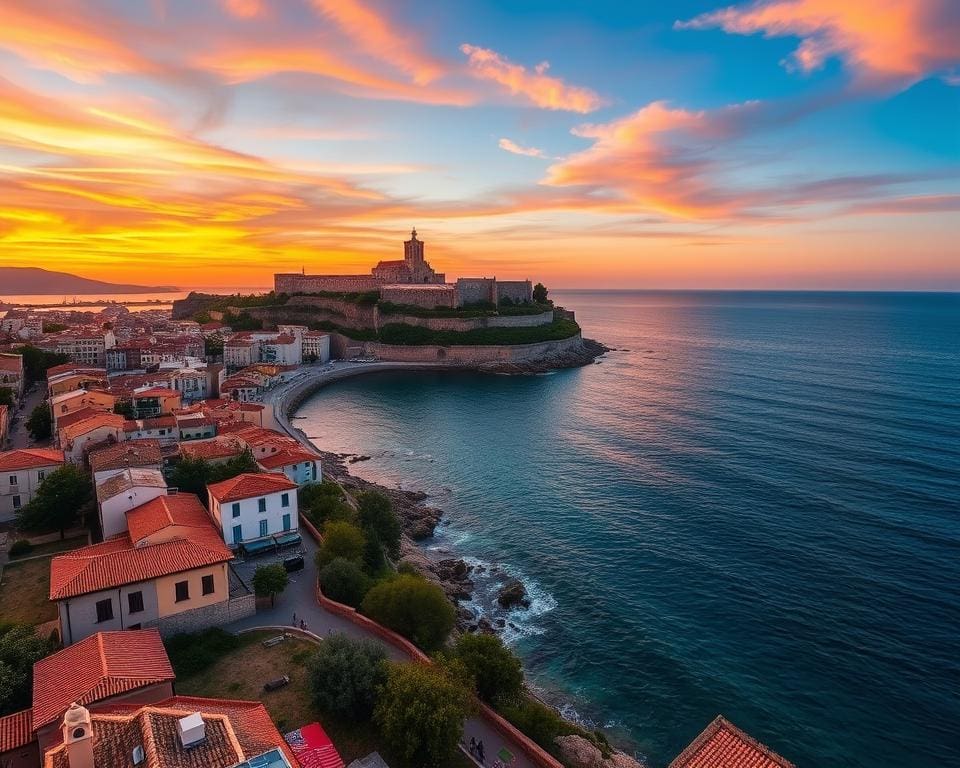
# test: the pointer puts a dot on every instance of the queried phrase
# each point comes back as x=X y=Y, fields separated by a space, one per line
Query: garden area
x=25 y=593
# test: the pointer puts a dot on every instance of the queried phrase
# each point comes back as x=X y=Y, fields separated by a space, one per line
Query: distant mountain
x=21 y=281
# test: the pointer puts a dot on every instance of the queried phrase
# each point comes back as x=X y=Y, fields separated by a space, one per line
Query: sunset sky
x=774 y=144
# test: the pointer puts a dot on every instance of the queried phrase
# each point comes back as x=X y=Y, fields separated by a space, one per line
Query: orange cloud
x=537 y=86
x=378 y=38
x=512 y=146
x=244 y=9
x=885 y=41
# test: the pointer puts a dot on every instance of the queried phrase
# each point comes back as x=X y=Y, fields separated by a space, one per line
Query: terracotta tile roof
x=217 y=448
x=196 y=421
x=74 y=417
x=12 y=363
x=156 y=392
x=28 y=458
x=111 y=420
x=183 y=510
x=133 y=453
x=249 y=485
x=117 y=561
x=56 y=370
x=234 y=731
x=103 y=665
x=286 y=457
x=723 y=745
x=16 y=730
x=132 y=477
x=155 y=422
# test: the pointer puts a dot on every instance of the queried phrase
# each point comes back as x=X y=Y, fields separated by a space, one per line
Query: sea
x=750 y=507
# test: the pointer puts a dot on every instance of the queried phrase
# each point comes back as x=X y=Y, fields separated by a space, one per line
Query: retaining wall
x=474 y=355
x=215 y=615
x=298 y=283
x=469 y=323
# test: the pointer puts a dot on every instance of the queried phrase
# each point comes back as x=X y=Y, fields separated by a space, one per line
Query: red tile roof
x=16 y=730
x=157 y=392
x=133 y=453
x=183 y=510
x=28 y=458
x=286 y=457
x=249 y=485
x=73 y=367
x=111 y=420
x=723 y=745
x=103 y=665
x=118 y=561
x=217 y=448
x=235 y=731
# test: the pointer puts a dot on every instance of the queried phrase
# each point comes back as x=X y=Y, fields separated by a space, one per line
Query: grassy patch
x=413 y=335
x=54 y=547
x=25 y=591
x=241 y=673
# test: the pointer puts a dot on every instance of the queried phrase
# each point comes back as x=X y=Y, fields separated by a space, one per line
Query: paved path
x=19 y=437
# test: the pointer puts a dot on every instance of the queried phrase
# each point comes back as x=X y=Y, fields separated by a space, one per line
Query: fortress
x=410 y=281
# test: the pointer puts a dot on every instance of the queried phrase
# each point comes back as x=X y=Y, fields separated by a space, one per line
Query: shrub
x=396 y=333
x=345 y=675
x=20 y=547
x=377 y=516
x=496 y=670
x=343 y=580
x=408 y=568
x=191 y=653
x=413 y=607
x=421 y=711
x=20 y=648
x=543 y=724
x=340 y=540
x=324 y=502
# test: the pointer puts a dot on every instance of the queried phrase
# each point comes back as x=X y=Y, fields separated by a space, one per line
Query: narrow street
x=18 y=436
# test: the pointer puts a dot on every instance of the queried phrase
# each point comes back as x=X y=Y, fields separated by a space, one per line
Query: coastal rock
x=577 y=752
x=355 y=459
x=513 y=594
x=622 y=760
x=485 y=627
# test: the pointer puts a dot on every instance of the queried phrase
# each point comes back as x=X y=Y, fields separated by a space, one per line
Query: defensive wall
x=298 y=283
x=478 y=355
x=469 y=323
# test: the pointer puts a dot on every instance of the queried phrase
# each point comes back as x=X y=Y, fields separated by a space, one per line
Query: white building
x=299 y=466
x=124 y=491
x=21 y=472
x=316 y=346
x=253 y=506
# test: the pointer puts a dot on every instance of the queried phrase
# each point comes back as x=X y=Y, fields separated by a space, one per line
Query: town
x=182 y=580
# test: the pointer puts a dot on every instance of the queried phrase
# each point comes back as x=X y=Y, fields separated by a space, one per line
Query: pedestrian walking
x=473 y=746
x=480 y=751
x=294 y=619
x=303 y=625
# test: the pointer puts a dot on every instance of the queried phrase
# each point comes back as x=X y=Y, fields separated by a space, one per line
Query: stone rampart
x=473 y=290
x=478 y=355
x=356 y=315
x=469 y=323
x=517 y=291
x=297 y=283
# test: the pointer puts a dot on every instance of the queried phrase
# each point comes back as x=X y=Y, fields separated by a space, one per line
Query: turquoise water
x=751 y=509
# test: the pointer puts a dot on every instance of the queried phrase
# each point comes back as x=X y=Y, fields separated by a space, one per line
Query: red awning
x=313 y=747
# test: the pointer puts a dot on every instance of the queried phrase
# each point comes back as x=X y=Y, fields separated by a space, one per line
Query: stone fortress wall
x=397 y=282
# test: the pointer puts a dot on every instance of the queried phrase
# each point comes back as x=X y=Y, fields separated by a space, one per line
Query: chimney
x=78 y=737
x=191 y=729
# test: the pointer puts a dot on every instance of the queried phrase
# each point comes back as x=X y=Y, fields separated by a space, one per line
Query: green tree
x=324 y=501
x=270 y=581
x=540 y=293
x=344 y=581
x=213 y=346
x=238 y=465
x=58 y=502
x=193 y=475
x=496 y=670
x=49 y=327
x=412 y=606
x=124 y=408
x=7 y=397
x=40 y=423
x=345 y=675
x=421 y=711
x=376 y=514
x=340 y=540
x=374 y=561
x=37 y=361
x=20 y=648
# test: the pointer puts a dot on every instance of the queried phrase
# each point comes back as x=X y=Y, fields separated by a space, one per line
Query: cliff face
x=185 y=309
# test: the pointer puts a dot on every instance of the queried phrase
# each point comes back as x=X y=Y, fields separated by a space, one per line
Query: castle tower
x=78 y=737
x=413 y=248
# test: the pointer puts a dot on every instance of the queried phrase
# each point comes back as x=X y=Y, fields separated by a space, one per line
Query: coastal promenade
x=300 y=597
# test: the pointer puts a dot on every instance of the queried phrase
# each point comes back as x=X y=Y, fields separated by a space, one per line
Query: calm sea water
x=752 y=508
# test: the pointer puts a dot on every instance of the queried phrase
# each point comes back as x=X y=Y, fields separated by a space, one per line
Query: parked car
x=292 y=564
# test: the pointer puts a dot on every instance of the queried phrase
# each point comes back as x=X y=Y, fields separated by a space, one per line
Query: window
x=104 y=610
x=286 y=522
x=263 y=528
x=135 y=626
x=237 y=534
x=183 y=591
x=235 y=510
x=16 y=502
x=13 y=479
x=207 y=582
x=41 y=473
x=285 y=500
x=262 y=505
x=135 y=602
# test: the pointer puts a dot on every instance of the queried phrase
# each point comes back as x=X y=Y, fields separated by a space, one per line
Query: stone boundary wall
x=533 y=750
x=295 y=282
x=215 y=615
x=469 y=323
x=474 y=355
x=360 y=315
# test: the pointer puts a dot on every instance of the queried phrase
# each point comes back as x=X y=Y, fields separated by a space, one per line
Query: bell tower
x=413 y=249
x=78 y=737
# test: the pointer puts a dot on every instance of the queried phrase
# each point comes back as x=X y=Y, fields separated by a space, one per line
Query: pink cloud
x=536 y=86
x=888 y=43
x=379 y=38
x=516 y=149
x=244 y=9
